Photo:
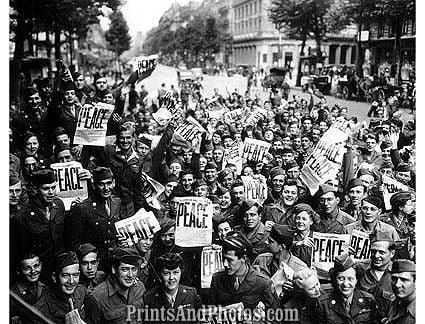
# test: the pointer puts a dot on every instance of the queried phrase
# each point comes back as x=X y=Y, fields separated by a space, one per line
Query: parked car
x=197 y=73
x=321 y=83
x=232 y=71
x=185 y=76
x=210 y=71
x=275 y=78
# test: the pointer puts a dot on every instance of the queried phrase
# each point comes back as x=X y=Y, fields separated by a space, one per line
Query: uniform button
x=333 y=302
x=109 y=223
x=32 y=213
x=360 y=300
x=106 y=242
x=94 y=204
x=97 y=223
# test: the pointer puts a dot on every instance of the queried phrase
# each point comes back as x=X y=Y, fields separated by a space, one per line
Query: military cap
x=102 y=173
x=403 y=265
x=248 y=204
x=65 y=259
x=59 y=131
x=98 y=76
x=61 y=147
x=85 y=249
x=199 y=183
x=276 y=171
x=287 y=149
x=403 y=167
x=378 y=236
x=44 y=176
x=211 y=165
x=237 y=183
x=364 y=172
x=343 y=262
x=237 y=242
x=166 y=224
x=126 y=255
x=354 y=183
x=69 y=85
x=387 y=165
x=374 y=200
x=28 y=135
x=302 y=207
x=144 y=141
x=324 y=189
x=291 y=165
x=76 y=74
x=13 y=178
x=171 y=178
x=282 y=234
x=400 y=198
x=214 y=199
x=224 y=173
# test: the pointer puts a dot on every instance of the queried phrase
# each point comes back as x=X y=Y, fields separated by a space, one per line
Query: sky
x=142 y=16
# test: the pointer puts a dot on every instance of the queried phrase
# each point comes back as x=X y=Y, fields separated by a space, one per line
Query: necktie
x=48 y=213
x=347 y=306
x=236 y=284
x=108 y=210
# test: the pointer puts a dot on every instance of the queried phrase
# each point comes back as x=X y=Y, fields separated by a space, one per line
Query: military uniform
x=187 y=298
x=402 y=314
x=402 y=227
x=31 y=231
x=268 y=265
x=96 y=281
x=362 y=310
x=30 y=294
x=89 y=222
x=55 y=305
x=380 y=226
x=333 y=225
x=254 y=288
x=258 y=237
x=107 y=305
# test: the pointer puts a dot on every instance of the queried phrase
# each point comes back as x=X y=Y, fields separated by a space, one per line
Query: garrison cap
x=43 y=176
x=65 y=259
x=276 y=171
x=211 y=165
x=102 y=173
x=85 y=249
x=282 y=234
x=343 y=262
x=378 y=235
x=374 y=200
x=403 y=265
x=325 y=188
x=126 y=255
x=171 y=178
x=354 y=183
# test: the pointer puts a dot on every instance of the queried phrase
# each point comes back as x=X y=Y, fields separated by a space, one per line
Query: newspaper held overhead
x=325 y=161
x=193 y=222
x=231 y=155
x=255 y=189
x=151 y=190
x=140 y=226
x=254 y=150
x=69 y=185
x=189 y=129
x=360 y=241
x=92 y=124
x=391 y=186
x=211 y=262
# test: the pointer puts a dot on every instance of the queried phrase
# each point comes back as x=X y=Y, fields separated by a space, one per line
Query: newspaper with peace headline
x=211 y=262
x=193 y=221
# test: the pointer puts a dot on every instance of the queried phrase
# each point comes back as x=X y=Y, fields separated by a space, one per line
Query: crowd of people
x=73 y=262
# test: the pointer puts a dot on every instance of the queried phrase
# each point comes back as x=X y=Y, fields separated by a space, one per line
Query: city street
x=168 y=75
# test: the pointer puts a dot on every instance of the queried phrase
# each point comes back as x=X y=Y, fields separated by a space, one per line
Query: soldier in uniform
x=370 y=219
x=402 y=207
x=92 y=221
x=89 y=262
x=346 y=303
x=356 y=192
x=66 y=294
x=111 y=301
x=403 y=309
x=27 y=285
x=376 y=278
x=39 y=227
x=240 y=282
x=253 y=229
x=171 y=295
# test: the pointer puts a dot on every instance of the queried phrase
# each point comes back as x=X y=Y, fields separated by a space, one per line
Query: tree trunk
x=397 y=52
x=57 y=44
x=298 y=81
x=49 y=55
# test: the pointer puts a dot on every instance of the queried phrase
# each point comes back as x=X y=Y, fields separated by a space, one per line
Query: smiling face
x=30 y=269
x=329 y=202
x=68 y=279
x=381 y=255
x=251 y=217
x=125 y=274
x=356 y=195
x=303 y=221
x=125 y=140
x=47 y=192
x=290 y=195
x=170 y=278
x=31 y=145
x=346 y=282
x=89 y=264
x=370 y=213
x=105 y=187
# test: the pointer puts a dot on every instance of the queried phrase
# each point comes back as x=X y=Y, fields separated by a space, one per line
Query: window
x=264 y=58
x=353 y=54
x=332 y=54
x=343 y=57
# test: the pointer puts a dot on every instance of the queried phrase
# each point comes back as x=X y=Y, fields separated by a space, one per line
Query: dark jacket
x=187 y=298
x=106 y=305
x=400 y=313
x=88 y=222
x=32 y=232
x=363 y=309
x=54 y=305
x=254 y=288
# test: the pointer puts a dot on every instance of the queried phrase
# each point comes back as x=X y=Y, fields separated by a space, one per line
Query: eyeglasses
x=29 y=268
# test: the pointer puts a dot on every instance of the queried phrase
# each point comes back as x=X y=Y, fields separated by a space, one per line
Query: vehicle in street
x=210 y=71
x=197 y=73
x=232 y=71
x=275 y=79
x=321 y=83
x=185 y=76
